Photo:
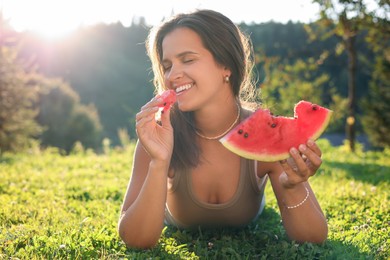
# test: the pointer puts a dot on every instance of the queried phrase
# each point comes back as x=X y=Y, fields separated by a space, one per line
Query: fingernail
x=310 y=142
x=293 y=150
x=302 y=147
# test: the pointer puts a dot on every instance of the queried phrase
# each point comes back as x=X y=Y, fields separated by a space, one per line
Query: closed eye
x=166 y=66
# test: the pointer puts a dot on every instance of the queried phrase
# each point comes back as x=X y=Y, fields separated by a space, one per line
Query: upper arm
x=140 y=167
x=273 y=170
x=264 y=168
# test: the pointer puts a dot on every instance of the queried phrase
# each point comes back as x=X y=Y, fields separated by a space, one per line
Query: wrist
x=296 y=197
x=159 y=165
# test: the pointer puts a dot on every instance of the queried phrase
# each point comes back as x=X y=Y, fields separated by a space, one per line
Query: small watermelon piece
x=169 y=98
x=265 y=137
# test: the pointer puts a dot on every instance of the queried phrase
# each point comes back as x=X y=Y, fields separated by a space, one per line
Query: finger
x=291 y=163
x=158 y=101
x=288 y=177
x=288 y=168
x=154 y=102
x=165 y=117
x=145 y=112
x=300 y=166
x=144 y=120
x=313 y=146
x=311 y=155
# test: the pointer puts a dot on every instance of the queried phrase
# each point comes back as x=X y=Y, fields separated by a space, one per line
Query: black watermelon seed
x=314 y=107
x=240 y=131
x=273 y=125
x=246 y=135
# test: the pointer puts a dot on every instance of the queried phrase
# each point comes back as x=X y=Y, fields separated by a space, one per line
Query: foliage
x=106 y=65
x=17 y=96
x=344 y=19
x=376 y=120
x=84 y=126
x=124 y=137
x=349 y=19
x=66 y=121
x=67 y=207
x=287 y=84
x=33 y=106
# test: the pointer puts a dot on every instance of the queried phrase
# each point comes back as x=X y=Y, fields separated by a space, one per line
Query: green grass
x=67 y=207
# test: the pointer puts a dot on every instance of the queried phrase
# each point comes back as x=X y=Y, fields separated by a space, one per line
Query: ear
x=226 y=72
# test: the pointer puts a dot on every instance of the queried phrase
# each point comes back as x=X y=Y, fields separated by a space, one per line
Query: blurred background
x=76 y=72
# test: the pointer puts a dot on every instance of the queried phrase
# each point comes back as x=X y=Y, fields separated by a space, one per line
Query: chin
x=183 y=108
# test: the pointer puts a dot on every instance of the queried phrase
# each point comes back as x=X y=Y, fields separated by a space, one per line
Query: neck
x=213 y=126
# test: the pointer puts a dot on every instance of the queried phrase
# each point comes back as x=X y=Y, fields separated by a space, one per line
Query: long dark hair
x=228 y=45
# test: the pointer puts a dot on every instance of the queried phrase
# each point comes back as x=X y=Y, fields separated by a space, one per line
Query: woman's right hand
x=156 y=139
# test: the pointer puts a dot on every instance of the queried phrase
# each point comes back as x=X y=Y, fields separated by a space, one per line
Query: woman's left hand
x=301 y=165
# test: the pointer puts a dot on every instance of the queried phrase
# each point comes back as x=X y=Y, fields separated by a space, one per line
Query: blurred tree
x=376 y=120
x=56 y=107
x=107 y=66
x=66 y=121
x=17 y=96
x=347 y=19
x=286 y=84
x=291 y=50
x=84 y=126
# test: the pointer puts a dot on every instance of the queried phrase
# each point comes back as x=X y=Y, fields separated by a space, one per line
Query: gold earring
x=226 y=79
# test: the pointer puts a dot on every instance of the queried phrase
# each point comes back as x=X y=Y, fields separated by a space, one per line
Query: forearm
x=301 y=214
x=141 y=223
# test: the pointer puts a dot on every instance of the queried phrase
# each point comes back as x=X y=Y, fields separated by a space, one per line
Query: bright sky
x=58 y=17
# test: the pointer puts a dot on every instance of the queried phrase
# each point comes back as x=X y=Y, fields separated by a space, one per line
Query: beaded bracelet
x=300 y=203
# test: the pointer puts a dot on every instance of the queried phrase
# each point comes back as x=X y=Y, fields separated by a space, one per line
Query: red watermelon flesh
x=169 y=98
x=265 y=137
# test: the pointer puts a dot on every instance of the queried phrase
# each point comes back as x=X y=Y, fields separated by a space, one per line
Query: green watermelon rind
x=269 y=157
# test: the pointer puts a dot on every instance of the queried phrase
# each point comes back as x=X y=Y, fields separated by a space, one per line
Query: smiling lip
x=183 y=88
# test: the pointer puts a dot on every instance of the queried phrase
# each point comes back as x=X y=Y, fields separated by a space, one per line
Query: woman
x=182 y=175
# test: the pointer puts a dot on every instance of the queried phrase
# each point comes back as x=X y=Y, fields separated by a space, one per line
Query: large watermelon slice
x=265 y=137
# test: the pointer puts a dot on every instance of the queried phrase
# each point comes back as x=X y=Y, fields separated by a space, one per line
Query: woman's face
x=190 y=69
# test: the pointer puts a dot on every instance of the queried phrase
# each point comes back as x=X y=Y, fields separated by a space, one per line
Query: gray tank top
x=183 y=209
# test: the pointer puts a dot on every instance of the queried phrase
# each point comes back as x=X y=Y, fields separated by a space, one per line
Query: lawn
x=67 y=207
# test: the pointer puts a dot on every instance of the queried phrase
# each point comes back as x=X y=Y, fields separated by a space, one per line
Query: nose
x=175 y=72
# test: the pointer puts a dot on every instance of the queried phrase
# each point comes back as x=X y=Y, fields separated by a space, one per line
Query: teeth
x=184 y=87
